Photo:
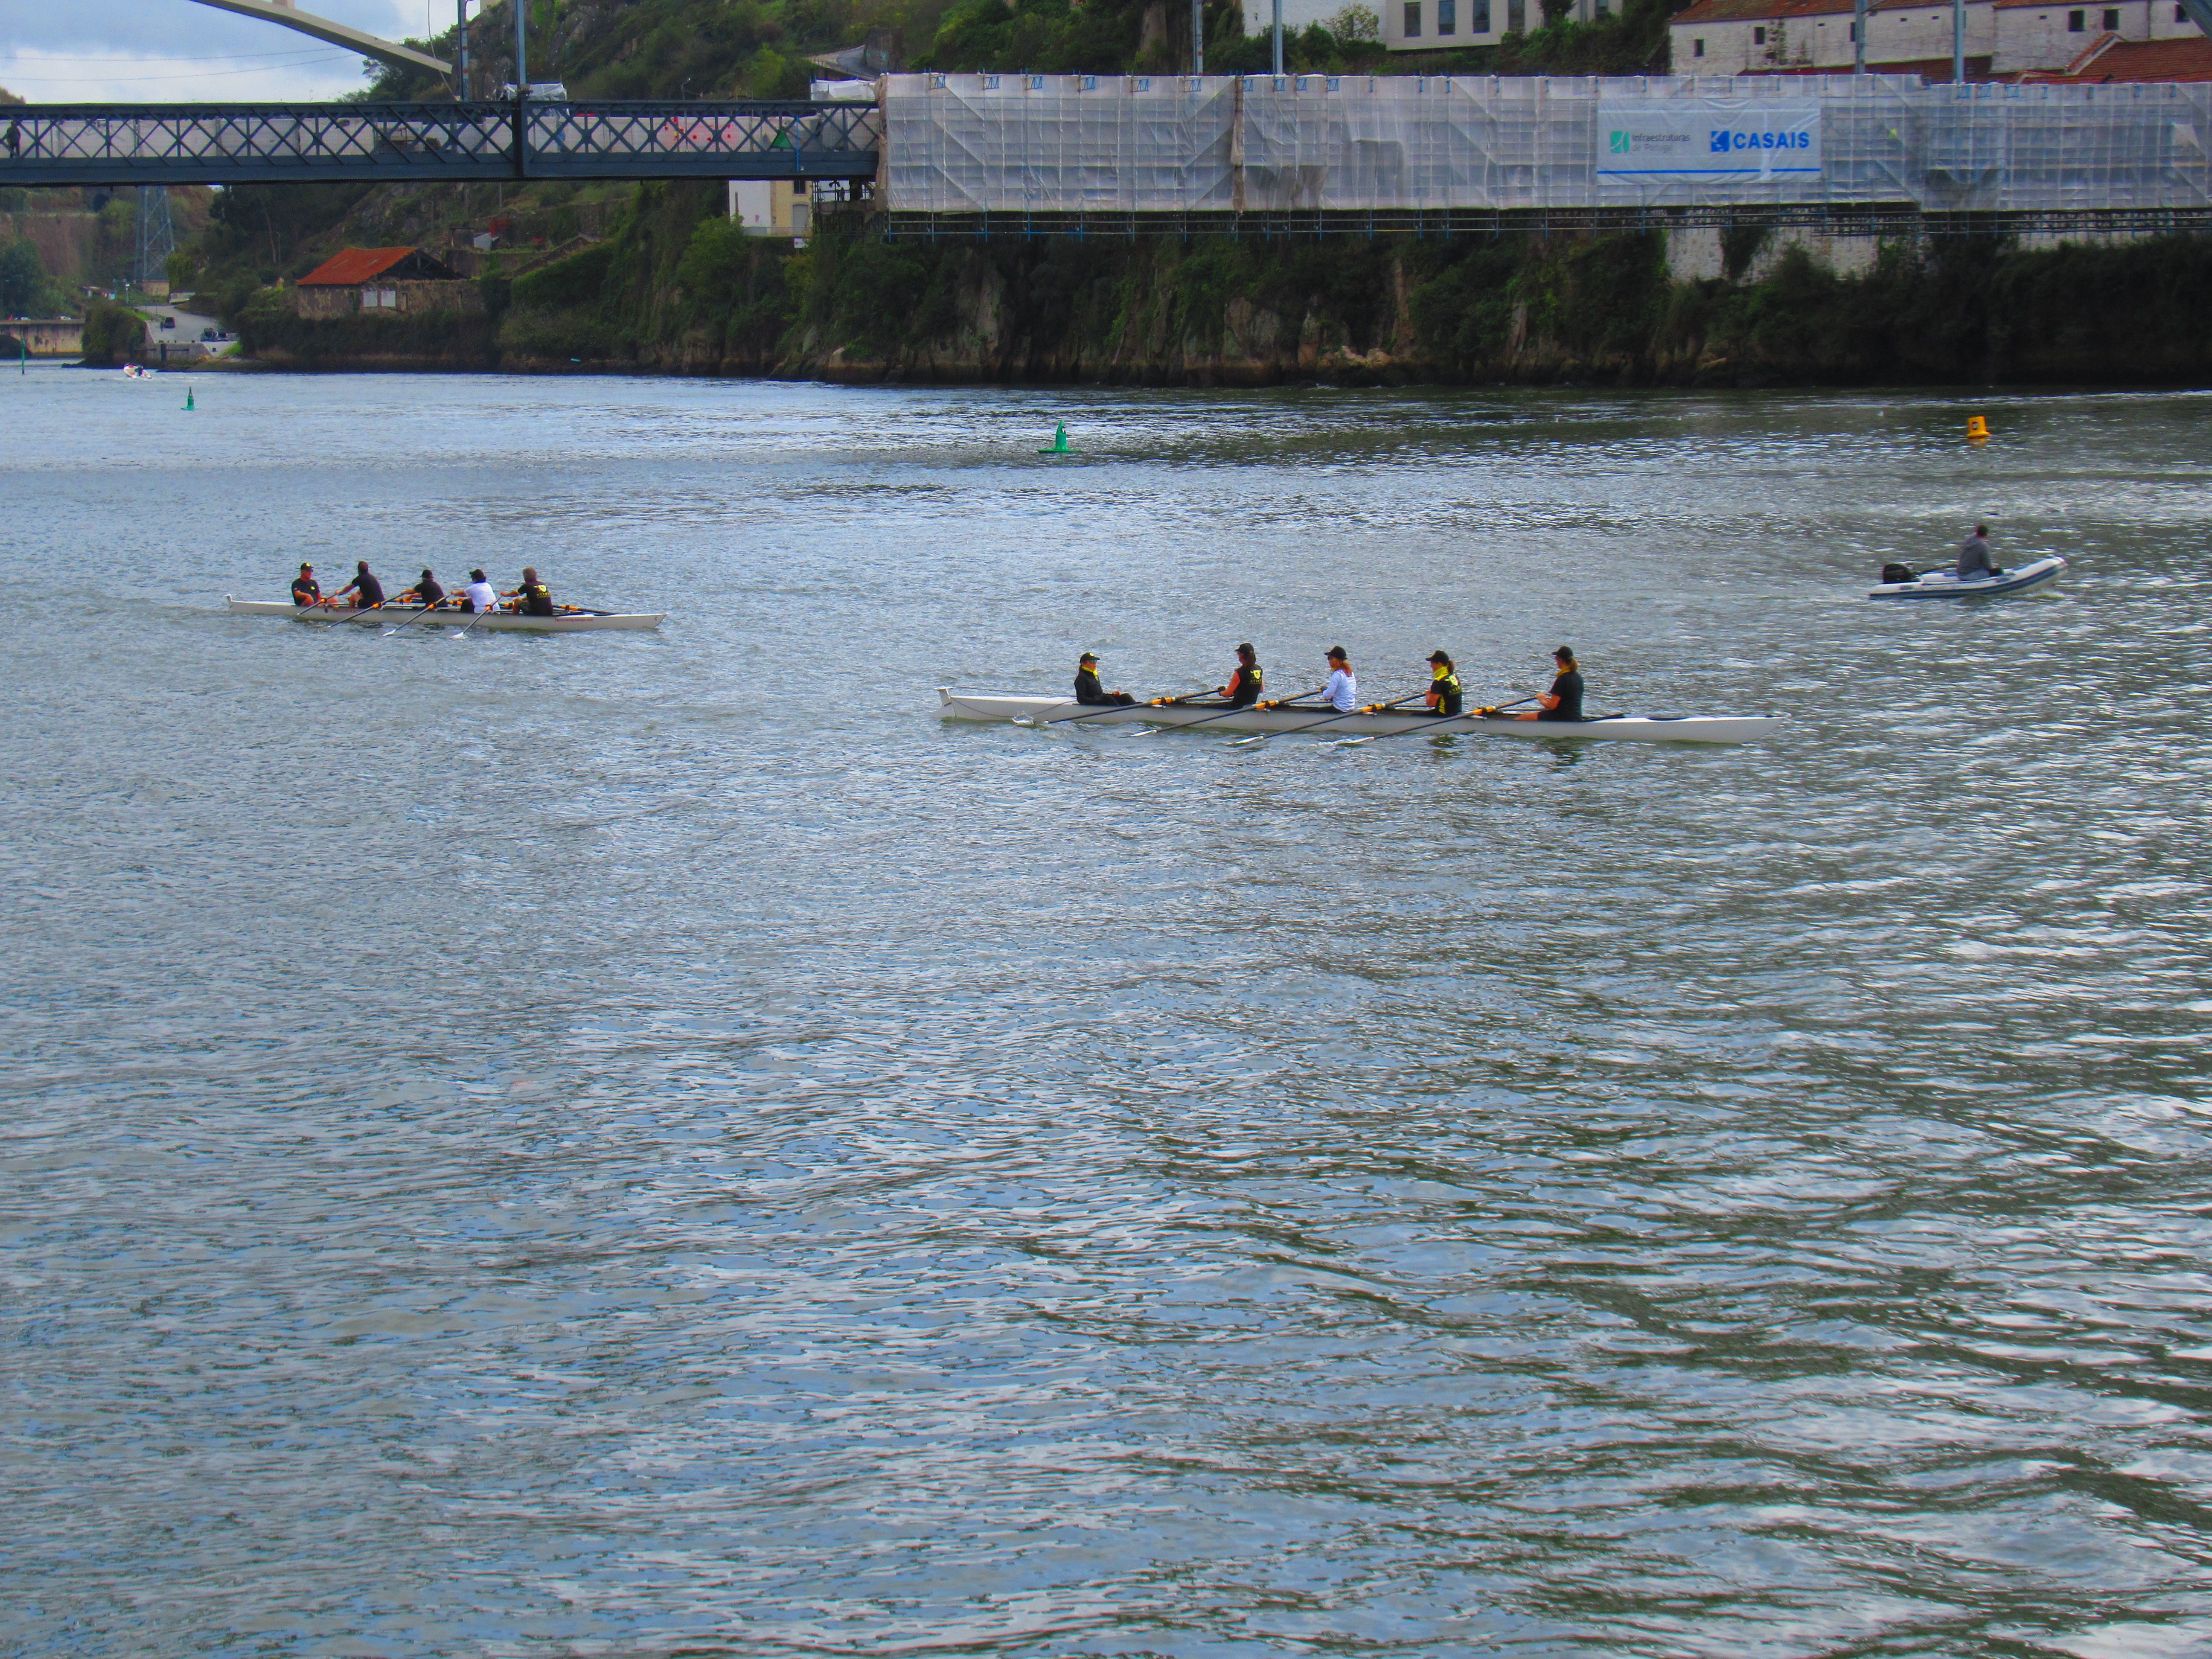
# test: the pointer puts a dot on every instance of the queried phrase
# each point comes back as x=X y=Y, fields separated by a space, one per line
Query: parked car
x=169 y=322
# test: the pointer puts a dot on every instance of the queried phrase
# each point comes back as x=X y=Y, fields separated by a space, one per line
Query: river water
x=625 y=1143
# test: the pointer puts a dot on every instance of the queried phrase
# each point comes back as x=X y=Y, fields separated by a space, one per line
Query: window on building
x=2180 y=16
x=1478 y=18
x=1517 y=16
x=1758 y=37
x=1413 y=19
x=2076 y=22
x=2112 y=19
x=1697 y=49
x=1447 y=17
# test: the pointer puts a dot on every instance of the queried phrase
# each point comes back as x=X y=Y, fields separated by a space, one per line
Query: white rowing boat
x=504 y=622
x=1946 y=585
x=1650 y=728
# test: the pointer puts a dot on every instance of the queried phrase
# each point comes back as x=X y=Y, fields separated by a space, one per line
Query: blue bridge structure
x=117 y=144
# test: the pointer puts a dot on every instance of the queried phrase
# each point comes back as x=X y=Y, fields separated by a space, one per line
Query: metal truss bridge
x=423 y=144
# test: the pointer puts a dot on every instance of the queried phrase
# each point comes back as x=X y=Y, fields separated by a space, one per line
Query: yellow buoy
x=1978 y=429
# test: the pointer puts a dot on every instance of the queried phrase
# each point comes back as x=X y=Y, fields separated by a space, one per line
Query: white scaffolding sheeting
x=1059 y=144
x=1036 y=144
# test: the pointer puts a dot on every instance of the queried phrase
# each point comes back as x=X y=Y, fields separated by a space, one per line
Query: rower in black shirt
x=1087 y=689
x=304 y=590
x=533 y=598
x=1443 y=698
x=1564 y=702
x=426 y=592
x=1246 y=684
x=371 y=591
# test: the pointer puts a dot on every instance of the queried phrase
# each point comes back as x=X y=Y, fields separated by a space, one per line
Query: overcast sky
x=145 y=52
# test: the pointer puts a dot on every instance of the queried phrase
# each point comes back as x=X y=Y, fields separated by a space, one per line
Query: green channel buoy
x=188 y=397
x=1059 y=442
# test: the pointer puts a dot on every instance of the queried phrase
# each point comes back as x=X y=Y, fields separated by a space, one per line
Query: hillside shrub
x=113 y=335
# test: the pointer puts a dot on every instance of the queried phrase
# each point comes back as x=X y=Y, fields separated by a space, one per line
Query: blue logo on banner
x=1723 y=143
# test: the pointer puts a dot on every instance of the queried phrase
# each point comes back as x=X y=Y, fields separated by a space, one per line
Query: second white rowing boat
x=1649 y=728
x=505 y=622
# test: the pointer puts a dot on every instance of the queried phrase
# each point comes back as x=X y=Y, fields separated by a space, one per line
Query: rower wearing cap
x=1342 y=691
x=1564 y=702
x=426 y=592
x=1088 y=689
x=480 y=594
x=304 y=590
x=370 y=591
x=1246 y=684
x=1443 y=698
x=533 y=598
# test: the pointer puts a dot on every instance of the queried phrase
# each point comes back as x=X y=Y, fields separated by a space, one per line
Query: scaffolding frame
x=1407 y=152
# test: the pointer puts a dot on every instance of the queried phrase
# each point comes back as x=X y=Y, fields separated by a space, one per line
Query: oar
x=1353 y=742
x=404 y=620
x=1093 y=714
x=474 y=620
x=1316 y=725
x=366 y=610
x=1226 y=713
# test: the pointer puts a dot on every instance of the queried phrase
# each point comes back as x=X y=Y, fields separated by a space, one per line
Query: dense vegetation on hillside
x=677 y=288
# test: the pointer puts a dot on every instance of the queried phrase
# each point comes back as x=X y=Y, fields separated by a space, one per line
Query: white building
x=772 y=207
x=2005 y=37
x=1446 y=25
x=1259 y=14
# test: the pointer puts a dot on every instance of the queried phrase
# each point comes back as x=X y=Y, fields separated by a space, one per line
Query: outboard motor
x=1899 y=572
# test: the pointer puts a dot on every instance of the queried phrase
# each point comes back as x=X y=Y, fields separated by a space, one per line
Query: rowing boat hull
x=1046 y=711
x=502 y=622
x=1943 y=585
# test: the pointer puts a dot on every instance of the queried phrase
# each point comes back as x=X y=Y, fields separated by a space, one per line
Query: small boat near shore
x=444 y=616
x=1946 y=585
x=1625 y=728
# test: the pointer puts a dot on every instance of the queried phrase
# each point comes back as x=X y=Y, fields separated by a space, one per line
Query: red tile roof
x=354 y=265
x=2188 y=58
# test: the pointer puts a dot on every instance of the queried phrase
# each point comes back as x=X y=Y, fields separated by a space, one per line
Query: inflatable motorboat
x=1946 y=585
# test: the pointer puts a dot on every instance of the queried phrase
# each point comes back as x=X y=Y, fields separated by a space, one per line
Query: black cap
x=1438 y=656
x=1337 y=651
x=1088 y=656
x=476 y=575
x=1246 y=650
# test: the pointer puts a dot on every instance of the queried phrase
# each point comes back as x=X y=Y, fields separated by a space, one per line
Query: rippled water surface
x=626 y=1143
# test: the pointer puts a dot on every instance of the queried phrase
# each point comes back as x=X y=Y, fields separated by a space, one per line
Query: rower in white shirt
x=1342 y=691
x=480 y=593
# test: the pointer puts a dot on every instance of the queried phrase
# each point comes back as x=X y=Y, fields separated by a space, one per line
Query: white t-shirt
x=481 y=597
x=1342 y=691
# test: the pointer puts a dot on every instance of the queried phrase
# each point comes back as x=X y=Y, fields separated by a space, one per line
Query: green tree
x=113 y=334
x=22 y=277
x=179 y=268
